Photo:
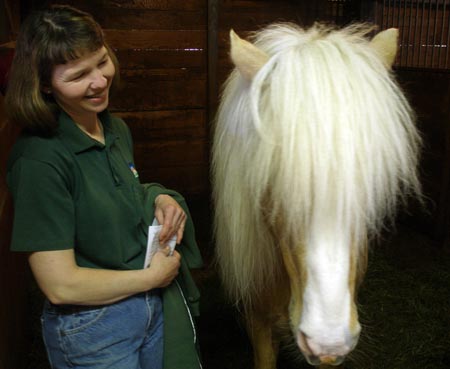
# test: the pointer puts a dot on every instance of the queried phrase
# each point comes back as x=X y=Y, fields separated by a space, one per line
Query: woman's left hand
x=171 y=216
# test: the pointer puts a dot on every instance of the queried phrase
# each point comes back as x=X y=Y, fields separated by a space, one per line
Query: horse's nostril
x=312 y=360
x=307 y=345
x=302 y=340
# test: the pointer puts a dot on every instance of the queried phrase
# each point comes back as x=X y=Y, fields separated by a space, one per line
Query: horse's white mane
x=322 y=139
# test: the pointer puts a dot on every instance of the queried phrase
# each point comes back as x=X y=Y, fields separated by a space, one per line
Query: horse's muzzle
x=331 y=354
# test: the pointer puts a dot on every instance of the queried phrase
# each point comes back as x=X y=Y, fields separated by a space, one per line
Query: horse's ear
x=385 y=43
x=247 y=58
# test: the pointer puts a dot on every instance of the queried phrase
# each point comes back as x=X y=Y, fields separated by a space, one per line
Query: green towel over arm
x=181 y=299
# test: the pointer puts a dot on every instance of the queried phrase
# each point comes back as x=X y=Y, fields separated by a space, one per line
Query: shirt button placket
x=111 y=167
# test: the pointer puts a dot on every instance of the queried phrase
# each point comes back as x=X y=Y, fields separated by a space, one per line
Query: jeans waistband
x=72 y=309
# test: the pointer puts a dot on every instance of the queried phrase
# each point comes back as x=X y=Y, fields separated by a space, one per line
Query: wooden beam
x=213 y=30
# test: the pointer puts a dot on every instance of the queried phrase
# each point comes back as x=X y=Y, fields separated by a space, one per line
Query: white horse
x=314 y=148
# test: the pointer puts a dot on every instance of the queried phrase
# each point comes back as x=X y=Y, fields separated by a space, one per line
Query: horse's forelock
x=332 y=108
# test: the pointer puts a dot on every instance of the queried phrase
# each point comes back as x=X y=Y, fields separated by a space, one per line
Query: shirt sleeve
x=43 y=207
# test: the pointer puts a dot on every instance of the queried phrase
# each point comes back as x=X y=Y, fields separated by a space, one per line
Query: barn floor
x=404 y=309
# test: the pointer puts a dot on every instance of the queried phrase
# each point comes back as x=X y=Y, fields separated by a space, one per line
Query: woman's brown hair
x=47 y=38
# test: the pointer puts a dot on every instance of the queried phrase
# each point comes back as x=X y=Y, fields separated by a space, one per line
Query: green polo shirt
x=71 y=191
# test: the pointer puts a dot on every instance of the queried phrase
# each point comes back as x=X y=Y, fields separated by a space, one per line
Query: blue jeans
x=125 y=335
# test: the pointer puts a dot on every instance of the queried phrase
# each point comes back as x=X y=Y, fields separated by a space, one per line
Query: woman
x=80 y=210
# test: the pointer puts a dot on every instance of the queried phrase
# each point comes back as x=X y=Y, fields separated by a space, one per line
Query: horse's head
x=324 y=263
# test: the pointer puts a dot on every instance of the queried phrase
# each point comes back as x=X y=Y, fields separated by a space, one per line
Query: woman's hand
x=164 y=268
x=171 y=216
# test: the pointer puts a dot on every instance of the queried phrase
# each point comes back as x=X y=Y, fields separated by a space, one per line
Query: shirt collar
x=77 y=140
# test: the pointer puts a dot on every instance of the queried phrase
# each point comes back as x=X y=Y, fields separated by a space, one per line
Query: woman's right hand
x=163 y=268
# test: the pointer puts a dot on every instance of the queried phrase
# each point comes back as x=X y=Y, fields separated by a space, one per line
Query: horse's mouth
x=325 y=360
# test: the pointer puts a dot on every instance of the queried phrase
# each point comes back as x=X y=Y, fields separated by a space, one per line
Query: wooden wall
x=162 y=50
x=14 y=275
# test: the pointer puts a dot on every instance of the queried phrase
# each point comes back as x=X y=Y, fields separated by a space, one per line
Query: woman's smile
x=98 y=98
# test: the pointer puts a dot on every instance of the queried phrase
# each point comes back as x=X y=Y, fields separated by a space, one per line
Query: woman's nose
x=99 y=80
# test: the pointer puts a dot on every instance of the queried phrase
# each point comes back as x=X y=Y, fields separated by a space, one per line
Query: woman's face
x=81 y=86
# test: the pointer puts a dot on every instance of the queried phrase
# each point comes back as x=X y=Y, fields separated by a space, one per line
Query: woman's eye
x=78 y=76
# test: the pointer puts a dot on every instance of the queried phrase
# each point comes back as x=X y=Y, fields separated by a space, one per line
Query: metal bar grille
x=424 y=31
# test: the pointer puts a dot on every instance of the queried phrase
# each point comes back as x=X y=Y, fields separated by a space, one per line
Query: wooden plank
x=157 y=39
x=158 y=59
x=143 y=92
x=165 y=74
x=96 y=8
x=188 y=180
x=172 y=153
x=213 y=49
x=182 y=166
x=251 y=15
x=166 y=125
x=253 y=20
x=142 y=19
x=254 y=5
x=186 y=5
